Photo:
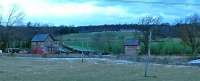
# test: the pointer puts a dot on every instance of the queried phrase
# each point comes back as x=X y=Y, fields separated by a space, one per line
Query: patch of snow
x=194 y=61
x=1 y=51
x=122 y=62
x=90 y=60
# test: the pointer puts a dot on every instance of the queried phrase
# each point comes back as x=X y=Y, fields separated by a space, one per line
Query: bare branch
x=148 y=20
x=14 y=16
x=1 y=18
x=190 y=32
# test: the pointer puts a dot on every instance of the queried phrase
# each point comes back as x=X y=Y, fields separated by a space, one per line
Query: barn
x=131 y=47
x=44 y=44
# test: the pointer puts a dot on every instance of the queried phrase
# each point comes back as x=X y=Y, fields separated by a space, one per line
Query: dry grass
x=18 y=69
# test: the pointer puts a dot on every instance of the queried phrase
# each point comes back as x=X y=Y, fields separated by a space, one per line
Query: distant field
x=99 y=41
x=113 y=42
x=20 y=69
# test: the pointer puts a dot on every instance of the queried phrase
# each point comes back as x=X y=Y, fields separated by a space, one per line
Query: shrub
x=12 y=54
x=168 y=47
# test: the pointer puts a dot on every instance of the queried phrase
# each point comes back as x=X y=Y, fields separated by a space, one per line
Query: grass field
x=99 y=41
x=20 y=69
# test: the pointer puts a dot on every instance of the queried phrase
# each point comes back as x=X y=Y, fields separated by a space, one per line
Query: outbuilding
x=131 y=47
x=44 y=44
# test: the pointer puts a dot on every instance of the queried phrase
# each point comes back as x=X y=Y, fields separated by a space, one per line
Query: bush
x=12 y=54
x=168 y=47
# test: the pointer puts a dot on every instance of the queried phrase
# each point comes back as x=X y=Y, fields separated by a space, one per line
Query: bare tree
x=190 y=32
x=147 y=21
x=14 y=16
x=1 y=18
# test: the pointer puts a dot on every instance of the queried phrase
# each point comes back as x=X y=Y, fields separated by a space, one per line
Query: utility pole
x=84 y=46
x=148 y=56
x=82 y=55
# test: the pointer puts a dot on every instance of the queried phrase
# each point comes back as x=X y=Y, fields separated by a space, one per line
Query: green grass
x=170 y=46
x=17 y=69
x=166 y=46
x=87 y=41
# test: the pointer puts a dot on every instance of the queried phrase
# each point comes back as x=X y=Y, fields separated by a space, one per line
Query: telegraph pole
x=82 y=55
x=148 y=56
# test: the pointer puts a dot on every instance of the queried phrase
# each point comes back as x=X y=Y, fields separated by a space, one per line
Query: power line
x=161 y=3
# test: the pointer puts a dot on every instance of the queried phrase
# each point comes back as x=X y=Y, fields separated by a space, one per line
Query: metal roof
x=131 y=42
x=40 y=37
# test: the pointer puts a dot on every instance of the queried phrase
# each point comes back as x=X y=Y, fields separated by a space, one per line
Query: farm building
x=131 y=47
x=44 y=44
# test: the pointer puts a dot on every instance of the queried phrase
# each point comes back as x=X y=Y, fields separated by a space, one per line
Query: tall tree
x=146 y=22
x=1 y=18
x=14 y=16
x=190 y=32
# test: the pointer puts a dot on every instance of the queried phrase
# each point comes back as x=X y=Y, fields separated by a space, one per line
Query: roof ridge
x=40 y=37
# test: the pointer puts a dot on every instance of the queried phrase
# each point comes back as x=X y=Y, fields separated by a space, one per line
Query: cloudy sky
x=95 y=12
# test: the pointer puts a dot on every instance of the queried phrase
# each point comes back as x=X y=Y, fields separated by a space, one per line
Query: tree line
x=187 y=29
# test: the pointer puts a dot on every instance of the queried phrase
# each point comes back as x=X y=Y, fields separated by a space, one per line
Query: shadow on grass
x=150 y=76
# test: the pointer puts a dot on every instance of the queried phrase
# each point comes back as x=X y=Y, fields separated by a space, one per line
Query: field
x=27 y=69
x=112 y=42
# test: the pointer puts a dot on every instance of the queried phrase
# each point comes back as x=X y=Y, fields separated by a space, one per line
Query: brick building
x=44 y=44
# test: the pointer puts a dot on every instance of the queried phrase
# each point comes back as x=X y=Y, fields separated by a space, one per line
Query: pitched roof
x=40 y=37
x=131 y=42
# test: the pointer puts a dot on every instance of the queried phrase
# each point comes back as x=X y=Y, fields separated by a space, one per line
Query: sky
x=97 y=12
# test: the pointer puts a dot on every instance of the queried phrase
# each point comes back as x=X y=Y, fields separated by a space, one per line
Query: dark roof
x=41 y=37
x=131 y=42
